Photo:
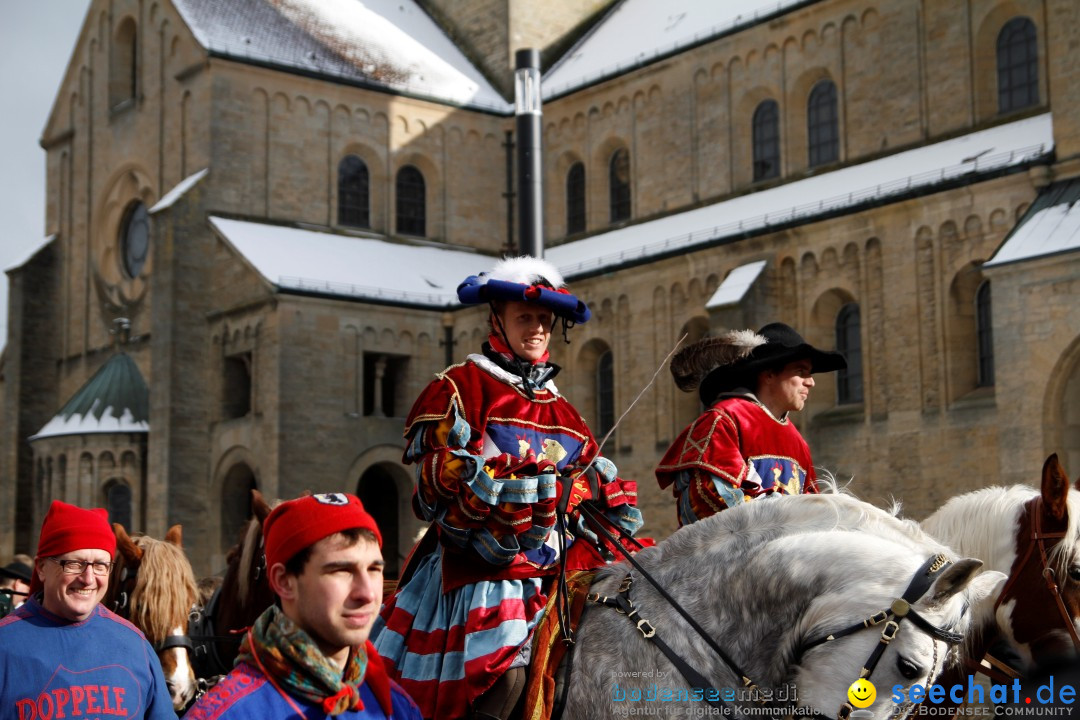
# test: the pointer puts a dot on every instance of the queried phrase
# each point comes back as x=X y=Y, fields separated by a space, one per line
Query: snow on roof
x=971 y=155
x=115 y=399
x=25 y=257
x=736 y=285
x=178 y=192
x=638 y=31
x=322 y=262
x=392 y=43
x=1050 y=226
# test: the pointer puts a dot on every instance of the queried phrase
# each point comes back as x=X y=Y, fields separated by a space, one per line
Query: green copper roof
x=115 y=399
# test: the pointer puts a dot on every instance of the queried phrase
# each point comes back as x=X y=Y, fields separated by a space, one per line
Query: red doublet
x=741 y=446
x=513 y=436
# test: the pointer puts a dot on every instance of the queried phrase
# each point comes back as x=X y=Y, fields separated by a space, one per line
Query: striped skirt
x=447 y=649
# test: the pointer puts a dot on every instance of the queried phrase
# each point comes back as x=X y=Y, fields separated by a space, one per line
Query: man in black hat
x=14 y=585
x=743 y=445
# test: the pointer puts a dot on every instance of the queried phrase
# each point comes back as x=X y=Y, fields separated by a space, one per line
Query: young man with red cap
x=744 y=445
x=310 y=657
x=62 y=654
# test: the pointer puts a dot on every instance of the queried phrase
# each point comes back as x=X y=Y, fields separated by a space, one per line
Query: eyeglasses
x=78 y=567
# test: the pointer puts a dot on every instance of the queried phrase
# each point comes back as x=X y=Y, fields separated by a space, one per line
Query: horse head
x=153 y=586
x=804 y=594
x=1039 y=608
x=1034 y=537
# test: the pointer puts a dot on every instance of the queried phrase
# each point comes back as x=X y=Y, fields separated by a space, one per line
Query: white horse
x=769 y=581
x=1034 y=537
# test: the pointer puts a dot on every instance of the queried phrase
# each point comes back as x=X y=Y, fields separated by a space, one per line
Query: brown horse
x=153 y=586
x=1034 y=537
x=242 y=596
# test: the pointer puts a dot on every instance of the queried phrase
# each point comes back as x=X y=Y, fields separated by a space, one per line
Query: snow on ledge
x=178 y=192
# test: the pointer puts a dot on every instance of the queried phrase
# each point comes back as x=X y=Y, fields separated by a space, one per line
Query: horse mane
x=164 y=590
x=971 y=523
x=249 y=547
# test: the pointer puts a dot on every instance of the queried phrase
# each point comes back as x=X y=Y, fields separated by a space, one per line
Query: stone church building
x=258 y=212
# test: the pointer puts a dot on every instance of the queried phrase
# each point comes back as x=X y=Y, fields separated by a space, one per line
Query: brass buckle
x=876 y=619
x=650 y=631
x=888 y=633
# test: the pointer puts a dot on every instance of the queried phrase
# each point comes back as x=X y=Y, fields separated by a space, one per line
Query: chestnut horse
x=153 y=587
x=1034 y=537
x=241 y=597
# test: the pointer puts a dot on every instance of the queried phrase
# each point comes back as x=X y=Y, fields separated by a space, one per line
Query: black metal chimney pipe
x=530 y=192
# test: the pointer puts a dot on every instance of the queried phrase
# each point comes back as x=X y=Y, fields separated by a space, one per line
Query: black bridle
x=897 y=612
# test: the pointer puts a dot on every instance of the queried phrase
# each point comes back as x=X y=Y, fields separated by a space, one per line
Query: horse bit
x=900 y=610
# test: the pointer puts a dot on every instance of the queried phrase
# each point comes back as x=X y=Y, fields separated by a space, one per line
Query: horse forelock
x=164 y=591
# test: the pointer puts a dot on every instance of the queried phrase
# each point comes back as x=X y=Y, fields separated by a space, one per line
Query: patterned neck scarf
x=292 y=661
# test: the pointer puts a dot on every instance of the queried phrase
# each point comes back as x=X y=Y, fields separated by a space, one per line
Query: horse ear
x=175 y=535
x=1055 y=488
x=125 y=545
x=259 y=506
x=955 y=578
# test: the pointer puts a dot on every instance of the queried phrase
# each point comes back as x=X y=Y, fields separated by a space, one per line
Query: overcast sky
x=37 y=38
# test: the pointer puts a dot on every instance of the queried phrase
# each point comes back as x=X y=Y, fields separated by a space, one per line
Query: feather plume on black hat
x=690 y=366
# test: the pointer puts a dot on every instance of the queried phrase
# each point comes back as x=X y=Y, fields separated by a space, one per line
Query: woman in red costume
x=494 y=443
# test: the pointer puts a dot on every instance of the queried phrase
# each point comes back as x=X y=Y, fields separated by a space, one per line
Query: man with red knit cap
x=310 y=656
x=63 y=654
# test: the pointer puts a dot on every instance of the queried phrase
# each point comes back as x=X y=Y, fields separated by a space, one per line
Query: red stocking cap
x=68 y=528
x=296 y=524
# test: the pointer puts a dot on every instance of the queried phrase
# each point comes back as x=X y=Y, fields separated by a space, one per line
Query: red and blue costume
x=492 y=456
x=735 y=451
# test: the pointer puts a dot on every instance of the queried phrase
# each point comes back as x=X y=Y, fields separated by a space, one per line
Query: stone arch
x=821 y=333
x=236 y=473
x=377 y=475
x=1061 y=408
x=985 y=52
x=961 y=348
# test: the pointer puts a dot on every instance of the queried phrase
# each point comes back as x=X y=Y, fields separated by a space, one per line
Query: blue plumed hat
x=527 y=279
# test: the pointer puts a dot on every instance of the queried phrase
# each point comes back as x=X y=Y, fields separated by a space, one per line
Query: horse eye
x=1074 y=573
x=908 y=669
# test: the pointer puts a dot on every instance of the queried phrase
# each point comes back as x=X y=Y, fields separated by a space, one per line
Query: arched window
x=849 y=386
x=379 y=494
x=123 y=70
x=605 y=394
x=575 y=199
x=1017 y=65
x=619 y=180
x=822 y=124
x=353 y=193
x=984 y=337
x=118 y=503
x=411 y=203
x=766 y=140
x=134 y=239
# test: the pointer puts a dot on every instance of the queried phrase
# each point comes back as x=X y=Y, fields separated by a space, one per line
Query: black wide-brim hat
x=718 y=364
x=17 y=571
x=783 y=345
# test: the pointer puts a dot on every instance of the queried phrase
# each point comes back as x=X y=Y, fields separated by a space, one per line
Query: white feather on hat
x=525 y=270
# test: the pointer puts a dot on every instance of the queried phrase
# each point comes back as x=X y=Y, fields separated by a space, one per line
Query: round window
x=135 y=239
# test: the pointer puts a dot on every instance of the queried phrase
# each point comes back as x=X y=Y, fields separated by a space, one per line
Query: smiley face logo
x=862 y=693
